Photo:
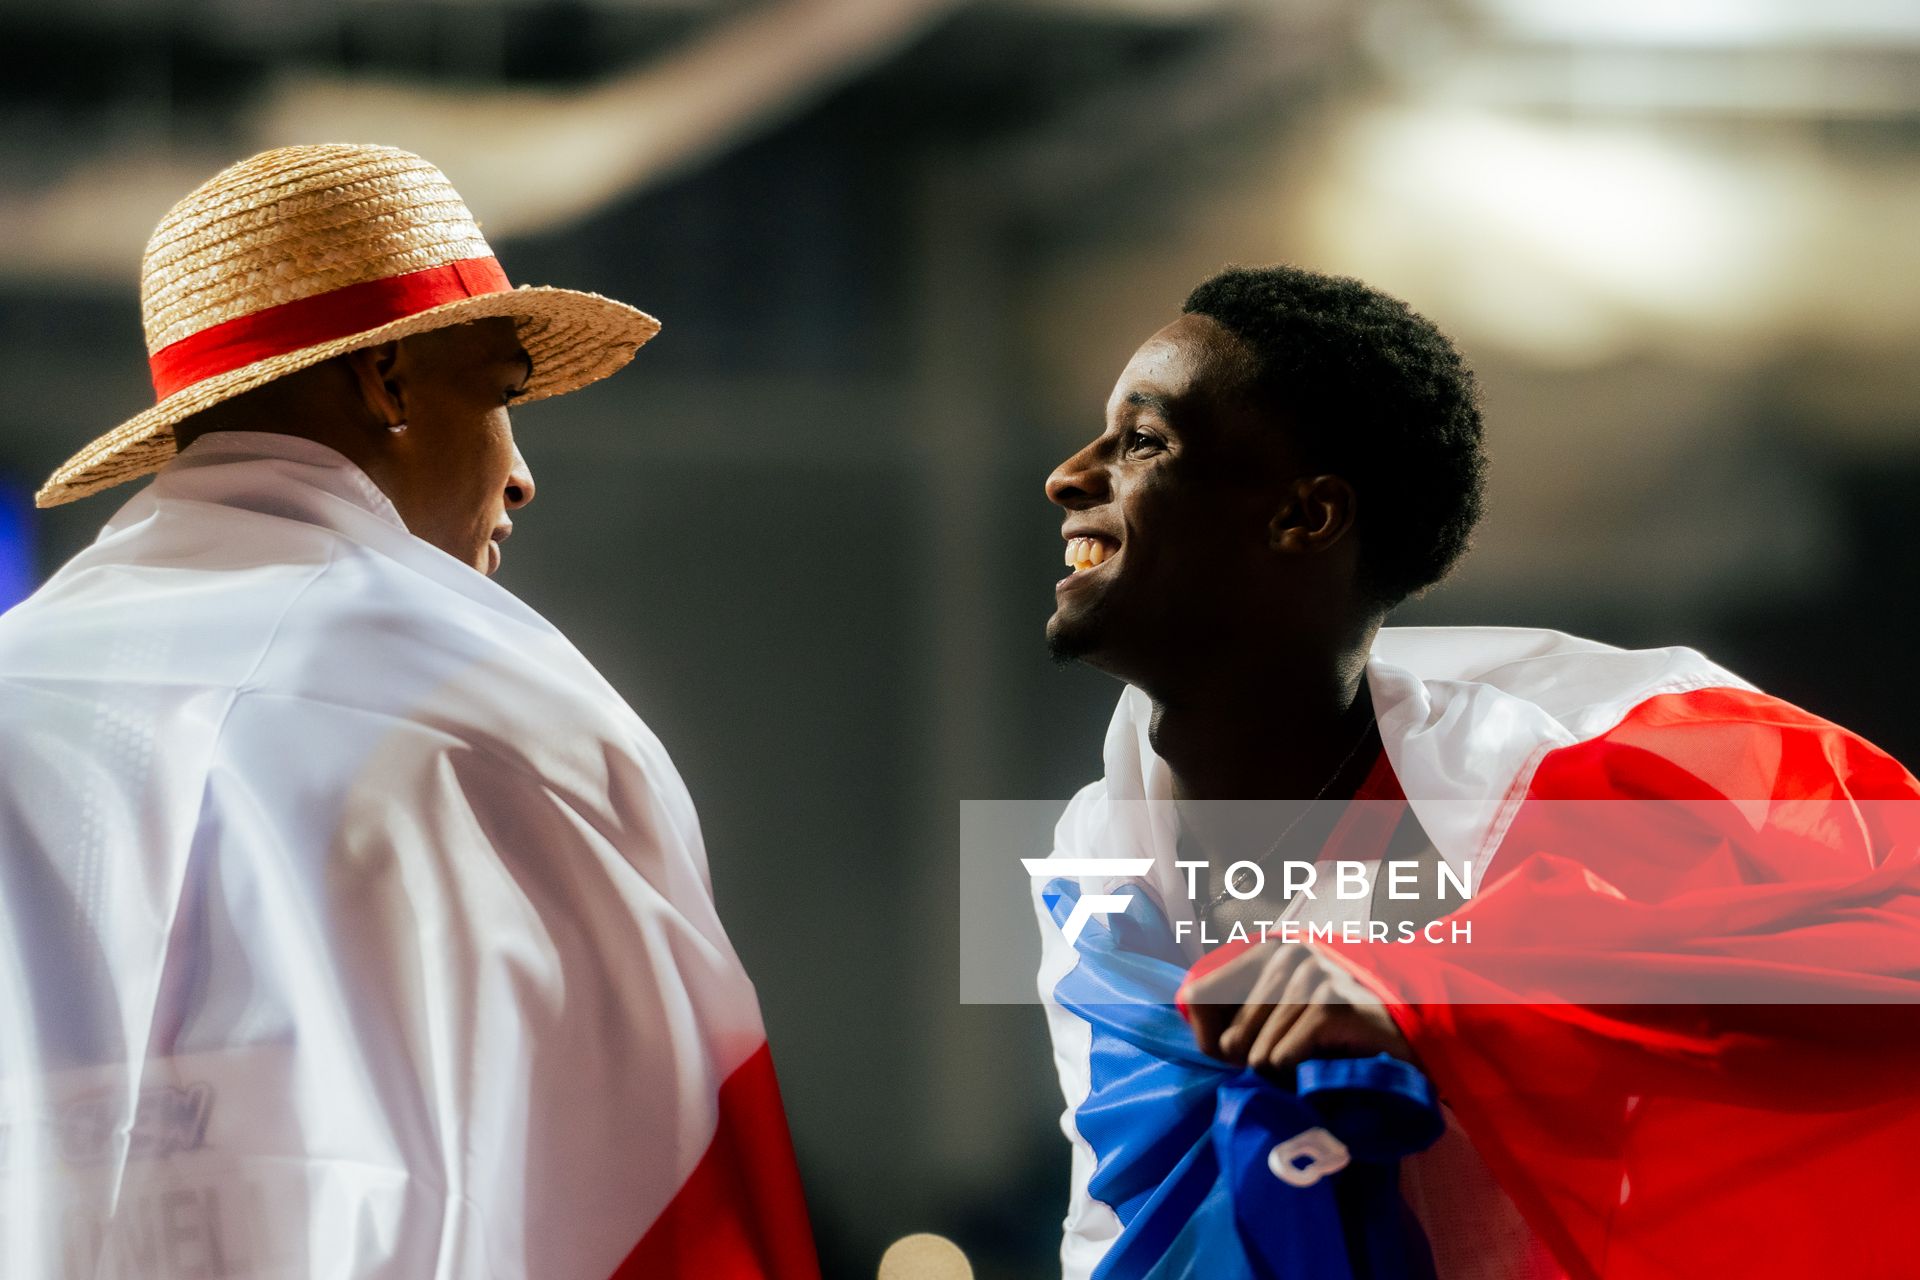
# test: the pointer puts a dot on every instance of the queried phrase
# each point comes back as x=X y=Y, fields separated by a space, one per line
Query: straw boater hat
x=303 y=253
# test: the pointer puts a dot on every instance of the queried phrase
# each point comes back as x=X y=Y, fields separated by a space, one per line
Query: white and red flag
x=351 y=925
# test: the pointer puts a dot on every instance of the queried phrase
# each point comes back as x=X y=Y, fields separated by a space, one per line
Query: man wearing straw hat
x=350 y=924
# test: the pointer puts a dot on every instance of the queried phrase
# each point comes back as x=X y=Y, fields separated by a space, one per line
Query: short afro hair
x=1376 y=394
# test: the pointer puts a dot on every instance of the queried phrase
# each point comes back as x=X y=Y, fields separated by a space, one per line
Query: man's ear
x=376 y=371
x=1315 y=512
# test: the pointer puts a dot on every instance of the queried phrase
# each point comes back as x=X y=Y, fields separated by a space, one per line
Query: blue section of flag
x=16 y=547
x=1182 y=1142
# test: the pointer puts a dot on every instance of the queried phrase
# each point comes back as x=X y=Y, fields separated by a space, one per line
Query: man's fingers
x=1308 y=977
x=1230 y=983
x=1247 y=1018
x=1305 y=998
x=1300 y=1039
x=1212 y=1001
x=1307 y=990
x=1287 y=979
x=1207 y=1022
x=1329 y=1030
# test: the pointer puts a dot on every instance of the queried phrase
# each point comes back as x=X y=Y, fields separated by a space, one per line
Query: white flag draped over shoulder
x=350 y=924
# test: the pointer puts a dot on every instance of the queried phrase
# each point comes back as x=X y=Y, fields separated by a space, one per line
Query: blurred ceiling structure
x=533 y=156
x=1572 y=184
x=542 y=113
x=1567 y=180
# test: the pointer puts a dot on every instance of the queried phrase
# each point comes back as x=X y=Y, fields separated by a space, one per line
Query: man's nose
x=519 y=483
x=1080 y=481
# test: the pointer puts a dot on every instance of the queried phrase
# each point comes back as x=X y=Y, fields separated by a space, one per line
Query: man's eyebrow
x=1148 y=400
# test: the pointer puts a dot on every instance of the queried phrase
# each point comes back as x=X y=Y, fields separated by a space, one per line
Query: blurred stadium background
x=901 y=248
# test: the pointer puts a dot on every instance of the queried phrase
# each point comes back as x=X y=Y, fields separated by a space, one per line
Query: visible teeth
x=1085 y=553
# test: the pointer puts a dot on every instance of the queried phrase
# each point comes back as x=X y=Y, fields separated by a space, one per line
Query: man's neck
x=1289 y=733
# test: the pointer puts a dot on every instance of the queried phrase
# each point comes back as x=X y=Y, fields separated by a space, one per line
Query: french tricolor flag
x=1682 y=1038
x=367 y=934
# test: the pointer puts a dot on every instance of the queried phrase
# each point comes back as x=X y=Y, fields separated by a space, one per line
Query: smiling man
x=350 y=923
x=1280 y=466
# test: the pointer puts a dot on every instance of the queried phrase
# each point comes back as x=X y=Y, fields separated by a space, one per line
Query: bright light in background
x=1716 y=23
x=1563 y=242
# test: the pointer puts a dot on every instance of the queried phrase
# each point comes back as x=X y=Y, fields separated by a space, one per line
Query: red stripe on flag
x=1645 y=1142
x=740 y=1215
x=307 y=322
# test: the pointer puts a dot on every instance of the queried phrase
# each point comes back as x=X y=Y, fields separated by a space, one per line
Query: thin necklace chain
x=1230 y=883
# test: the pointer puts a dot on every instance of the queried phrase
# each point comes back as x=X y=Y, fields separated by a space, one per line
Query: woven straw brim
x=573 y=338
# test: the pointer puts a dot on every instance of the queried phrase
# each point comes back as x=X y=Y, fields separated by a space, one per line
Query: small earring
x=398 y=427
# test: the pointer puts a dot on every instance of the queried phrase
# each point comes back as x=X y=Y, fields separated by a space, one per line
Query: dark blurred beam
x=529 y=160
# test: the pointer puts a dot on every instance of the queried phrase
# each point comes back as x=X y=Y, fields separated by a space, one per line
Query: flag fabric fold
x=1740 y=882
x=351 y=925
x=1216 y=1173
x=1680 y=1040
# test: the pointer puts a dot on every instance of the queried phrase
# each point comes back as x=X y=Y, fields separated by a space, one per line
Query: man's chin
x=1073 y=639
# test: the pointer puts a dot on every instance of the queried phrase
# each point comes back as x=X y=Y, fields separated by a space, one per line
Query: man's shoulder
x=1541 y=661
x=1671 y=698
x=1716 y=742
x=1574 y=688
x=111 y=618
x=341 y=625
x=429 y=650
